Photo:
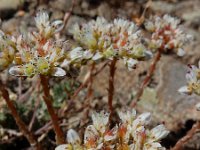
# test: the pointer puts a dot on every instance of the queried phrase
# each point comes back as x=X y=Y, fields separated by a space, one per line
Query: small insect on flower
x=7 y=50
x=120 y=38
x=193 y=81
x=167 y=34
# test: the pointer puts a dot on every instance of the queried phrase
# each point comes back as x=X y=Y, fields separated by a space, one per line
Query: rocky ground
x=161 y=97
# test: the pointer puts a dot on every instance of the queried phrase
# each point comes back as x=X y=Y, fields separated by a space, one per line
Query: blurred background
x=160 y=97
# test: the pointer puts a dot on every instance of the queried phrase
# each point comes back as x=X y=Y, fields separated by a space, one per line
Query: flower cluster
x=46 y=28
x=7 y=50
x=167 y=34
x=193 y=81
x=101 y=39
x=38 y=52
x=130 y=134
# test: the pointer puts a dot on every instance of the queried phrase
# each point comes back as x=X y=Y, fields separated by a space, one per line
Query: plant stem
x=111 y=87
x=179 y=145
x=68 y=15
x=54 y=118
x=147 y=78
x=22 y=126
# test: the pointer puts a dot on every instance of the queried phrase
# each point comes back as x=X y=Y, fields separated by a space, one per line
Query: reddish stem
x=90 y=91
x=147 y=78
x=54 y=118
x=83 y=85
x=22 y=126
x=179 y=145
x=68 y=15
x=111 y=87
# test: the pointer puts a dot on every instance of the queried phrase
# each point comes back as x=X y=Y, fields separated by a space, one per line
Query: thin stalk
x=90 y=91
x=83 y=85
x=68 y=15
x=111 y=87
x=147 y=78
x=54 y=118
x=179 y=145
x=22 y=126
x=89 y=95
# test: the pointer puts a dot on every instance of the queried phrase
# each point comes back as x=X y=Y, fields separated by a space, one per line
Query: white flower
x=153 y=146
x=38 y=57
x=143 y=119
x=180 y=52
x=123 y=136
x=198 y=106
x=73 y=137
x=97 y=56
x=63 y=147
x=158 y=133
x=184 y=90
x=127 y=116
x=45 y=27
x=92 y=139
x=105 y=40
x=7 y=50
x=167 y=35
x=42 y=20
x=100 y=121
x=111 y=134
x=131 y=63
x=193 y=81
x=76 y=53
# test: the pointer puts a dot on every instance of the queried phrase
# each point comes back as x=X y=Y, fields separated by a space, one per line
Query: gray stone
x=163 y=6
x=62 y=5
x=174 y=108
x=9 y=4
x=11 y=25
x=105 y=11
x=73 y=20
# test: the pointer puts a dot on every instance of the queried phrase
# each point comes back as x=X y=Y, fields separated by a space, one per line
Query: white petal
x=128 y=116
x=180 y=52
x=76 y=53
x=65 y=63
x=62 y=147
x=46 y=46
x=144 y=118
x=198 y=107
x=131 y=63
x=16 y=71
x=58 y=25
x=100 y=120
x=99 y=147
x=191 y=77
x=150 y=26
x=90 y=133
x=184 y=90
x=87 y=54
x=58 y=72
x=153 y=146
x=158 y=133
x=111 y=135
x=148 y=55
x=97 y=56
x=132 y=147
x=73 y=137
